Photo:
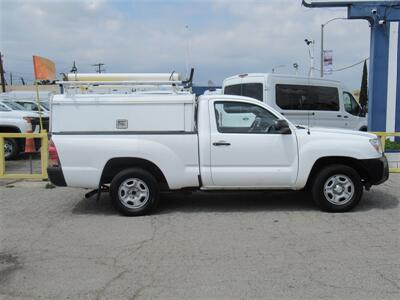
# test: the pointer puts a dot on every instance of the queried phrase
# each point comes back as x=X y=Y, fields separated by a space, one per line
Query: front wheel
x=134 y=192
x=337 y=188
x=11 y=149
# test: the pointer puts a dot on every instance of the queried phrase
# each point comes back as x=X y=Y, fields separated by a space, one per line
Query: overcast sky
x=224 y=37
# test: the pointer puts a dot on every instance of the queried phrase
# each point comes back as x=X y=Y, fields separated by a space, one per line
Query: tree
x=364 y=87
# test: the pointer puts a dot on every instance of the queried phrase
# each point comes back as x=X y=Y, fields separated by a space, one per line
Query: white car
x=308 y=101
x=15 y=120
x=142 y=144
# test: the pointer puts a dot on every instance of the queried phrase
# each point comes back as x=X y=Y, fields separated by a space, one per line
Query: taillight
x=54 y=160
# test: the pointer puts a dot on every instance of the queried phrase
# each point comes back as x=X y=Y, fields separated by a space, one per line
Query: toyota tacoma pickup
x=141 y=144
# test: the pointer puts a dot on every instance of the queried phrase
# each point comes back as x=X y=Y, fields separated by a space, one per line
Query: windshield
x=14 y=106
x=31 y=106
x=45 y=105
x=3 y=107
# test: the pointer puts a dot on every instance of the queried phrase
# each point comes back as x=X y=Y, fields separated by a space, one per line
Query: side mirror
x=282 y=127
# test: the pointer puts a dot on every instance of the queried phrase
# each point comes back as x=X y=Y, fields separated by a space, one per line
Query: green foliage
x=392 y=145
x=363 y=100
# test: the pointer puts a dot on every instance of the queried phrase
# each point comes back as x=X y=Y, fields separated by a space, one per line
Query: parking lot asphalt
x=57 y=244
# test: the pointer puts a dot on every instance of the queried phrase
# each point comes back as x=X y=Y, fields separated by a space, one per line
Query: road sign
x=330 y=3
x=328 y=62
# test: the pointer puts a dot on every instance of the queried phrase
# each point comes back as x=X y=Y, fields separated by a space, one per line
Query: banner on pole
x=328 y=62
x=44 y=68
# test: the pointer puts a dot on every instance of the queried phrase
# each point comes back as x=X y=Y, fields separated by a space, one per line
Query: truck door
x=249 y=154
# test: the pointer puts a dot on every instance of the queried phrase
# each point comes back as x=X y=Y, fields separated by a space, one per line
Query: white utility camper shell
x=99 y=112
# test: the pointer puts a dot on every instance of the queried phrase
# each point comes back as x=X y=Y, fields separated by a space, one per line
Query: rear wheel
x=10 y=149
x=337 y=188
x=134 y=192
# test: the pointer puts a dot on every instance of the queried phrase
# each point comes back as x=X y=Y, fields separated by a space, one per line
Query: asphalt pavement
x=57 y=244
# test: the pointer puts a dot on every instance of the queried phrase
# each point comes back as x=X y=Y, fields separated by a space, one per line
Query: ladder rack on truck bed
x=126 y=83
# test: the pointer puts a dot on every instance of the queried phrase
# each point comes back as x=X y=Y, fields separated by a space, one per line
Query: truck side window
x=240 y=117
x=350 y=104
x=252 y=90
x=307 y=97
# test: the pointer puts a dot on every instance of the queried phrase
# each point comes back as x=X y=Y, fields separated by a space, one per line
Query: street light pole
x=322 y=50
x=322 y=42
x=311 y=54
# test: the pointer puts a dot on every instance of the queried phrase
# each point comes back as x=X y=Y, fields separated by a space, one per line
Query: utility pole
x=74 y=69
x=3 y=81
x=99 y=67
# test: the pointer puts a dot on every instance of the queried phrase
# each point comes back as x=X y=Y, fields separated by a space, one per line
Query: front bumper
x=377 y=169
x=56 y=176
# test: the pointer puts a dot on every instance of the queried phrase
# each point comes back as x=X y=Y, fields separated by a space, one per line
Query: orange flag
x=44 y=68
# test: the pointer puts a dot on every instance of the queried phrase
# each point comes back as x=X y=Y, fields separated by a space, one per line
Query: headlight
x=376 y=143
x=28 y=119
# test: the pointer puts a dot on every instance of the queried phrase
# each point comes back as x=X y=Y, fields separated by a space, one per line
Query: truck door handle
x=221 y=143
x=346 y=117
x=339 y=116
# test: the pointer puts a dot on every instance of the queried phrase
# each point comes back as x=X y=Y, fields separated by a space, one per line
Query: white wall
x=392 y=77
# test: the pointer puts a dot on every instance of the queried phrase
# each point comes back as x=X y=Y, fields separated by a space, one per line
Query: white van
x=307 y=101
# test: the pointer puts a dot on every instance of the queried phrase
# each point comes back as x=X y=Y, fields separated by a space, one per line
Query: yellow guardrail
x=44 y=154
x=383 y=136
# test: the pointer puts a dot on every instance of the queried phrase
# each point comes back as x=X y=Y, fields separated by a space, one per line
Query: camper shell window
x=305 y=97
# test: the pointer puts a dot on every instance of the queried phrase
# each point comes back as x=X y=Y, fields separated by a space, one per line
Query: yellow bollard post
x=2 y=157
x=44 y=154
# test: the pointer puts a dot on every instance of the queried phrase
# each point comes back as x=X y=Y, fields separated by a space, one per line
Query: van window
x=252 y=90
x=306 y=97
x=350 y=104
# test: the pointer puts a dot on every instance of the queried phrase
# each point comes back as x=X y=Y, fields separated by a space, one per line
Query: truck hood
x=324 y=130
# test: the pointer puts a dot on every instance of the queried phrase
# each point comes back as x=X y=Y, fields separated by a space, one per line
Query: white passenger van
x=306 y=101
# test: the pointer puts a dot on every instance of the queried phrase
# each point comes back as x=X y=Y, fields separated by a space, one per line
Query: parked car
x=17 y=121
x=32 y=105
x=303 y=100
x=143 y=144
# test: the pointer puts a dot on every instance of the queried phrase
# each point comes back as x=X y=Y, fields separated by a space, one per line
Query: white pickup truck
x=142 y=144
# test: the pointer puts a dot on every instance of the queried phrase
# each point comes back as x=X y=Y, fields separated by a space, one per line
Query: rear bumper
x=56 y=176
x=377 y=169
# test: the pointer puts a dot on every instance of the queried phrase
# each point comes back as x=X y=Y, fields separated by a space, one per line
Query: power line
x=347 y=67
x=351 y=66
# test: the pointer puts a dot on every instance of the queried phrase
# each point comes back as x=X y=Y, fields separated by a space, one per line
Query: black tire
x=128 y=192
x=324 y=188
x=12 y=149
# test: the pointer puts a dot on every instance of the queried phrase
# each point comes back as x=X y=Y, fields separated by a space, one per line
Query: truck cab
x=307 y=101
